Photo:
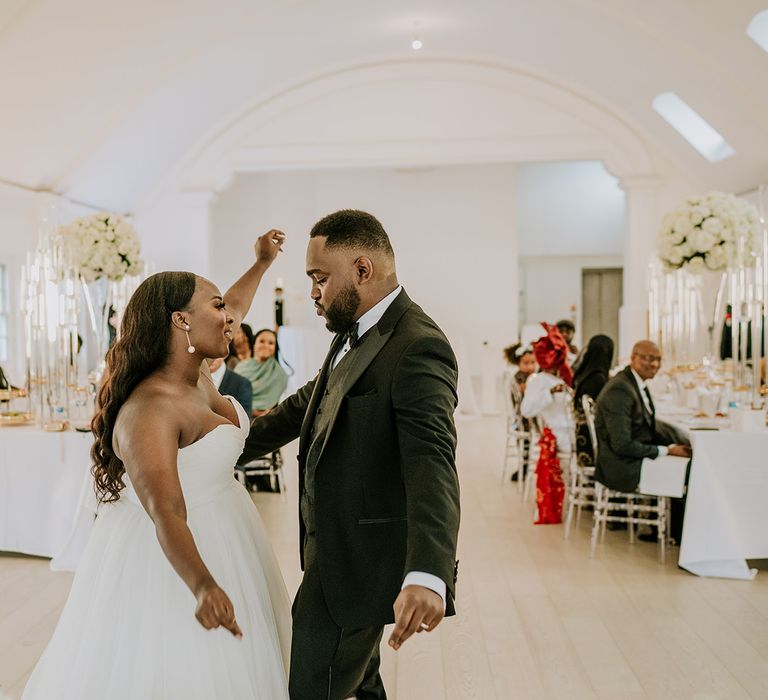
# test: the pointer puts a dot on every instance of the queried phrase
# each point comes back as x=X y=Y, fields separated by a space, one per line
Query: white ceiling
x=101 y=100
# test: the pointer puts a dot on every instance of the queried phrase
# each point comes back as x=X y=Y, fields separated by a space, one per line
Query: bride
x=178 y=593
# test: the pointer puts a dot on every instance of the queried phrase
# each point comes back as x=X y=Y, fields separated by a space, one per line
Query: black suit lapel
x=649 y=417
x=650 y=400
x=354 y=364
x=353 y=367
x=317 y=393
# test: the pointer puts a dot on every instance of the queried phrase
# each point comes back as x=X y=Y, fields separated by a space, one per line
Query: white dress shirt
x=642 y=385
x=218 y=375
x=367 y=321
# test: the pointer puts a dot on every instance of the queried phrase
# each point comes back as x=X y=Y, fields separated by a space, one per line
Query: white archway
x=412 y=113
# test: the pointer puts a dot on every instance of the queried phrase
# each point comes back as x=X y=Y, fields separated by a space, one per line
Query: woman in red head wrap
x=551 y=353
x=547 y=398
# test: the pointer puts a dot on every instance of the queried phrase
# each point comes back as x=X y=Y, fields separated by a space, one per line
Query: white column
x=641 y=226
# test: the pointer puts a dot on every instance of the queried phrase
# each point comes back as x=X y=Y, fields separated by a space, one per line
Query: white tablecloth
x=45 y=501
x=726 y=513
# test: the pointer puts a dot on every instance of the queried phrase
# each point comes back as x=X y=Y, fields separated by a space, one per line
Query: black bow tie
x=351 y=336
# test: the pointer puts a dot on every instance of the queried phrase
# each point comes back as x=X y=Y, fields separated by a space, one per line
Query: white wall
x=570 y=216
x=550 y=284
x=173 y=228
x=574 y=208
x=452 y=228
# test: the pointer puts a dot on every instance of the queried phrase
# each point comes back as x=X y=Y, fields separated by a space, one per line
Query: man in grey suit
x=378 y=489
x=625 y=422
x=628 y=432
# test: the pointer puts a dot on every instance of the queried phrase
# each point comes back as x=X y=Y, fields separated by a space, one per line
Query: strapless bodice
x=206 y=466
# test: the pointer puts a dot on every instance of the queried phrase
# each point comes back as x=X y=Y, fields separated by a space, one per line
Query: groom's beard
x=340 y=315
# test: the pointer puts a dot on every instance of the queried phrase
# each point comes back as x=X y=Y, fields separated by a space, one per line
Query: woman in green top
x=264 y=372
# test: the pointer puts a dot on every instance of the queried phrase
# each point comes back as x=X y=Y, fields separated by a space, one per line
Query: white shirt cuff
x=663 y=450
x=421 y=578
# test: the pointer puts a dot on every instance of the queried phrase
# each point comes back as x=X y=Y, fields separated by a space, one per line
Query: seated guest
x=267 y=377
x=231 y=384
x=241 y=347
x=588 y=380
x=625 y=422
x=521 y=357
x=547 y=392
x=568 y=330
x=547 y=398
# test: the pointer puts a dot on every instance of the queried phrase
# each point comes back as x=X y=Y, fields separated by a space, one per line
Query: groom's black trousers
x=329 y=662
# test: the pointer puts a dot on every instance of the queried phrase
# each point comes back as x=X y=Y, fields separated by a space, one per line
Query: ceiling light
x=758 y=29
x=416 y=43
x=692 y=127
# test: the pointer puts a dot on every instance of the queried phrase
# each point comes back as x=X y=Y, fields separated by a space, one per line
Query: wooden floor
x=537 y=618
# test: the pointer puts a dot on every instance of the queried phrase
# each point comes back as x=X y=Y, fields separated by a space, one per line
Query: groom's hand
x=417 y=609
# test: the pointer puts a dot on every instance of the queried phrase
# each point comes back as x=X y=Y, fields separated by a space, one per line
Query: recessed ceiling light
x=758 y=29
x=416 y=43
x=692 y=127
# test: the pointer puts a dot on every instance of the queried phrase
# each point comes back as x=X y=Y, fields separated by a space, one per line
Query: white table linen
x=46 y=503
x=726 y=518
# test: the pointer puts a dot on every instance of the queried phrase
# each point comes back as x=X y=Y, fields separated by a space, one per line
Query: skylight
x=758 y=29
x=692 y=127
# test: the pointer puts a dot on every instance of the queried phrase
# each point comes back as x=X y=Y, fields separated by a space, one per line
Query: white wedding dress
x=128 y=630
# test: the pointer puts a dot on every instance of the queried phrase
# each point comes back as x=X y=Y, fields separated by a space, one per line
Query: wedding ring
x=424 y=626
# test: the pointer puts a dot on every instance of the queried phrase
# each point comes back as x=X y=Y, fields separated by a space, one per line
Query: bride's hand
x=214 y=609
x=269 y=245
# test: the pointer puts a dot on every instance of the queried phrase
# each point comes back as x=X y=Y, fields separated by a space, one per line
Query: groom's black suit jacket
x=386 y=488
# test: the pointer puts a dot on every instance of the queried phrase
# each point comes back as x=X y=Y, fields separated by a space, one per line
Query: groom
x=379 y=494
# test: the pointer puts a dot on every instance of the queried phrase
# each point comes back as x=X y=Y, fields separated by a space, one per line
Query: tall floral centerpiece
x=103 y=251
x=708 y=233
x=717 y=232
x=102 y=245
x=68 y=283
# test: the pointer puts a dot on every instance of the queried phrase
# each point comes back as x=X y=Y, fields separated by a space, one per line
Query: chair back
x=588 y=406
x=509 y=404
x=513 y=397
x=516 y=394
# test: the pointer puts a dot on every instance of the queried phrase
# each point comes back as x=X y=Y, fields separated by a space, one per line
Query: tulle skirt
x=128 y=630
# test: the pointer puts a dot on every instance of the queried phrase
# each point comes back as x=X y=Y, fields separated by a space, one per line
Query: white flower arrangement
x=102 y=245
x=704 y=234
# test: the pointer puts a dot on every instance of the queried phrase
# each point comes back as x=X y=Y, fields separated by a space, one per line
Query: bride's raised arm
x=240 y=295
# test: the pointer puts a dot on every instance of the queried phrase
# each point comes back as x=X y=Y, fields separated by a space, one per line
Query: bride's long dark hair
x=141 y=349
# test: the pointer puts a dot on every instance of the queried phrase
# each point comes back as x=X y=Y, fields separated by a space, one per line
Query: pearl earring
x=190 y=347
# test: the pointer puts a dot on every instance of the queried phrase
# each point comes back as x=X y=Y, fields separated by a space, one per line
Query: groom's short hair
x=355 y=229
